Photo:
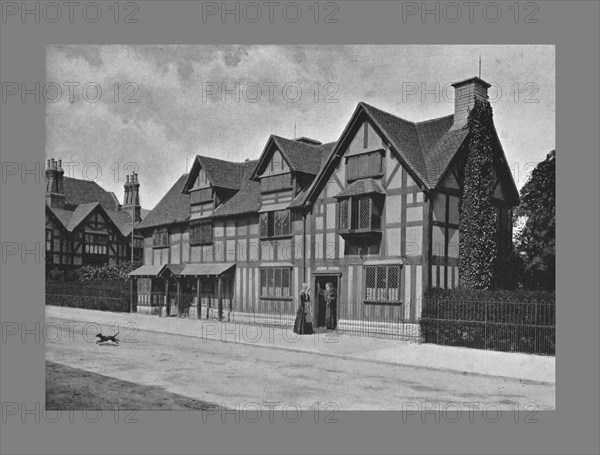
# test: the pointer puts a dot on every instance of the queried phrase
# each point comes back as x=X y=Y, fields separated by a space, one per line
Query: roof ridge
x=386 y=112
x=314 y=146
x=216 y=159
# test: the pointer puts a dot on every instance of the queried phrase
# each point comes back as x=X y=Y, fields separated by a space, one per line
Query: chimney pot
x=126 y=179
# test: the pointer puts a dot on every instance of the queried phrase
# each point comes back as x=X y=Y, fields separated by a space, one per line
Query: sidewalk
x=501 y=364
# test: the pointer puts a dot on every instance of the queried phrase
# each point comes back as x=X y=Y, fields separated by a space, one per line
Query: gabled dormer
x=286 y=167
x=210 y=183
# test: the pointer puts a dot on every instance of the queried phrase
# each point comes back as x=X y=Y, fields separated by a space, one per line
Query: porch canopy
x=206 y=269
x=147 y=270
x=171 y=269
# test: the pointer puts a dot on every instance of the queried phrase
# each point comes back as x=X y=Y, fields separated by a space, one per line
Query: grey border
x=572 y=428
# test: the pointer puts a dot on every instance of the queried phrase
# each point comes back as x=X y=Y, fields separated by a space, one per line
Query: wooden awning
x=147 y=270
x=206 y=269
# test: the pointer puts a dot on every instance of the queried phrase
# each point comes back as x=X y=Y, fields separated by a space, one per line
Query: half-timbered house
x=375 y=214
x=86 y=225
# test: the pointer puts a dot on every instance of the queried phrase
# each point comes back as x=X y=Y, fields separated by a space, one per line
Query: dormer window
x=276 y=182
x=364 y=165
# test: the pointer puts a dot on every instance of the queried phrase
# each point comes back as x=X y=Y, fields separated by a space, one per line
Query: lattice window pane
x=364 y=213
x=343 y=214
x=277 y=273
x=370 y=283
x=263 y=282
x=381 y=283
x=264 y=224
x=393 y=282
x=285 y=282
x=270 y=282
x=375 y=214
x=285 y=222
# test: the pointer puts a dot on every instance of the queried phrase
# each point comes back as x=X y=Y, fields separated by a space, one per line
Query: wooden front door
x=320 y=283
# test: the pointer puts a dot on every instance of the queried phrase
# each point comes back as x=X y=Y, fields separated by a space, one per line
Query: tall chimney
x=55 y=190
x=127 y=188
x=465 y=93
x=131 y=202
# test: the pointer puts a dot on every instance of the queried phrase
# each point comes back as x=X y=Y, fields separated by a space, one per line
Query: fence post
x=485 y=325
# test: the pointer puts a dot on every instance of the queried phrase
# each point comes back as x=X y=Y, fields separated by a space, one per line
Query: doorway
x=321 y=305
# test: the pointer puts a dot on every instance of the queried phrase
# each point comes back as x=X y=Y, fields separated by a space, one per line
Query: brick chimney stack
x=131 y=200
x=465 y=93
x=55 y=190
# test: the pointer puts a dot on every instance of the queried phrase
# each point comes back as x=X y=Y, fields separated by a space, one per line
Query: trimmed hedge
x=103 y=296
x=111 y=273
x=512 y=321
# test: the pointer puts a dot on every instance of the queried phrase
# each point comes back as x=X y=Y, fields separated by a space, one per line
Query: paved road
x=240 y=376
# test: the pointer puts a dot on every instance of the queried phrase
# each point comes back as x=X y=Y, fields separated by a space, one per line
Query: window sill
x=359 y=233
x=287 y=188
x=384 y=302
x=277 y=298
x=158 y=247
x=202 y=244
x=279 y=237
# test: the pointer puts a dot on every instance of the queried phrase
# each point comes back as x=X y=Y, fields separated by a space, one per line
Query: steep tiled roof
x=439 y=156
x=122 y=220
x=221 y=173
x=299 y=155
x=326 y=150
x=63 y=215
x=426 y=147
x=403 y=135
x=79 y=192
x=172 y=208
x=244 y=201
x=80 y=213
x=366 y=186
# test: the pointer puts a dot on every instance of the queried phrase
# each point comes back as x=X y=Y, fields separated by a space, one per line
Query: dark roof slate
x=80 y=213
x=326 y=150
x=221 y=173
x=172 y=208
x=79 y=192
x=64 y=216
x=244 y=201
x=300 y=156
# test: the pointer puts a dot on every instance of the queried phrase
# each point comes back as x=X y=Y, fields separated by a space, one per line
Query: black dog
x=104 y=338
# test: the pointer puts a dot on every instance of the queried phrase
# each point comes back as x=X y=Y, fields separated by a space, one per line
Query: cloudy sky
x=181 y=109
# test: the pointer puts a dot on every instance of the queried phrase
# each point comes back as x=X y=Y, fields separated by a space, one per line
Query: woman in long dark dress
x=303 y=322
x=331 y=306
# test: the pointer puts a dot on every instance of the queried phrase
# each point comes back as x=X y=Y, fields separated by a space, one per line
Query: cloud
x=172 y=120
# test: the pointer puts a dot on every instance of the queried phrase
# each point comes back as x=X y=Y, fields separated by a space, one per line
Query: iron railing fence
x=499 y=325
x=103 y=296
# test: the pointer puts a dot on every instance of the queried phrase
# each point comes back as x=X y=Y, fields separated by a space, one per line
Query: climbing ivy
x=477 y=242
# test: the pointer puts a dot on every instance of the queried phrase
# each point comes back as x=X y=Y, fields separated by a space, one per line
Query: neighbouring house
x=376 y=214
x=86 y=225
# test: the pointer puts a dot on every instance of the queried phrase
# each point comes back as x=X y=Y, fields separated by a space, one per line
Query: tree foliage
x=536 y=240
x=477 y=242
